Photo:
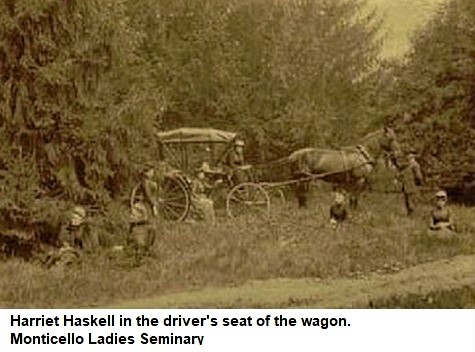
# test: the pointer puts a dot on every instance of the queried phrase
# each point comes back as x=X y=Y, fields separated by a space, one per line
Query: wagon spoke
x=236 y=199
x=168 y=209
x=247 y=198
x=171 y=199
x=174 y=206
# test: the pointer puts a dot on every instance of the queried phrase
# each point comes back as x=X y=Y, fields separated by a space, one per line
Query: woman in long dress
x=203 y=206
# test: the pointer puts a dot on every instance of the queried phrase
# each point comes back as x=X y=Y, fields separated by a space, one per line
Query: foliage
x=69 y=97
x=433 y=92
x=85 y=83
x=286 y=74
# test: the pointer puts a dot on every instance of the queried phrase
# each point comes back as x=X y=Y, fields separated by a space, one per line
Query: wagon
x=180 y=152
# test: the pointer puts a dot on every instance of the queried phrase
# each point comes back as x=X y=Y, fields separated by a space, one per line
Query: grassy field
x=291 y=244
x=400 y=19
x=440 y=284
x=274 y=258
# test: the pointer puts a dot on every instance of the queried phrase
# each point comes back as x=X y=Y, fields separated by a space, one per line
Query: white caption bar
x=213 y=330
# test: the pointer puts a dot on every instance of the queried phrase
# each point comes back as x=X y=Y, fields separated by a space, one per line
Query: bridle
x=364 y=152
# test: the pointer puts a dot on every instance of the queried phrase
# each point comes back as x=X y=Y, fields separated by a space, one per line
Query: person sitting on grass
x=441 y=216
x=62 y=257
x=338 y=210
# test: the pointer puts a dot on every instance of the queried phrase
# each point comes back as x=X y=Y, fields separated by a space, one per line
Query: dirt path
x=339 y=293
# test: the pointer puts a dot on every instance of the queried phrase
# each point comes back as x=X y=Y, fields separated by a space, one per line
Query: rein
x=278 y=162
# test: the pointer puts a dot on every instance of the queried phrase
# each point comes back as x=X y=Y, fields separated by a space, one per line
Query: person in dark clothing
x=410 y=176
x=338 y=210
x=236 y=155
x=235 y=162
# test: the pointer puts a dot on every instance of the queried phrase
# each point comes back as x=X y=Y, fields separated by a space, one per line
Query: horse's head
x=382 y=142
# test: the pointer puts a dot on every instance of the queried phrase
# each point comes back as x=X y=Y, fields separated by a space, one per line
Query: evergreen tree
x=433 y=95
x=286 y=73
x=67 y=73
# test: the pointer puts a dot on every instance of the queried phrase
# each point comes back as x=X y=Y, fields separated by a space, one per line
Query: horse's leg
x=358 y=189
x=301 y=188
x=301 y=192
x=353 y=200
x=353 y=197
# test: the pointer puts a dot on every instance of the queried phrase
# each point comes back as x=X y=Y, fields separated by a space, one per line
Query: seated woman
x=441 y=221
x=338 y=211
x=203 y=206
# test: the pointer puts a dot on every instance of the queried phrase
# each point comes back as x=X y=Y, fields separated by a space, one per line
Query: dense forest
x=85 y=84
x=432 y=95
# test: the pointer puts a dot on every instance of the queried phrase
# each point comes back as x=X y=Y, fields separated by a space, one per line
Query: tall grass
x=290 y=243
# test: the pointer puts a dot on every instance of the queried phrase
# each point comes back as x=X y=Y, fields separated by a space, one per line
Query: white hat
x=239 y=142
x=204 y=167
x=78 y=215
x=441 y=194
x=339 y=197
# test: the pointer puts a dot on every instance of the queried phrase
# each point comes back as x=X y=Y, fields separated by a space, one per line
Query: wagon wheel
x=173 y=198
x=247 y=198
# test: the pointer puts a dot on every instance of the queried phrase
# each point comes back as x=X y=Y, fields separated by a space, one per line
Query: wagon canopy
x=189 y=147
x=196 y=135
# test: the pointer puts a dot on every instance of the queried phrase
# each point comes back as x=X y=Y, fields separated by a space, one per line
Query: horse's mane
x=298 y=153
x=363 y=146
x=370 y=137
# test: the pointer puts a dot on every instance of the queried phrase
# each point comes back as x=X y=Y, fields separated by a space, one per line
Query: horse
x=348 y=167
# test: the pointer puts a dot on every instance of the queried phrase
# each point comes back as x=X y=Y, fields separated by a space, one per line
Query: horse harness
x=362 y=150
x=366 y=155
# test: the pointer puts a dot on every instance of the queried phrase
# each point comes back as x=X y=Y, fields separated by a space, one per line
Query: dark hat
x=147 y=166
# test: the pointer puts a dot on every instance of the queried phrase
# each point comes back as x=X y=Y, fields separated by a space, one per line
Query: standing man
x=410 y=176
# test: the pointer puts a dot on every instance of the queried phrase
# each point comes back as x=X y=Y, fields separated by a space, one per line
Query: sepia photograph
x=237 y=154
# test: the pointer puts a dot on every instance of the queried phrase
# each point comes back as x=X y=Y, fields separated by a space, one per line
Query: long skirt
x=443 y=233
x=142 y=236
x=203 y=208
